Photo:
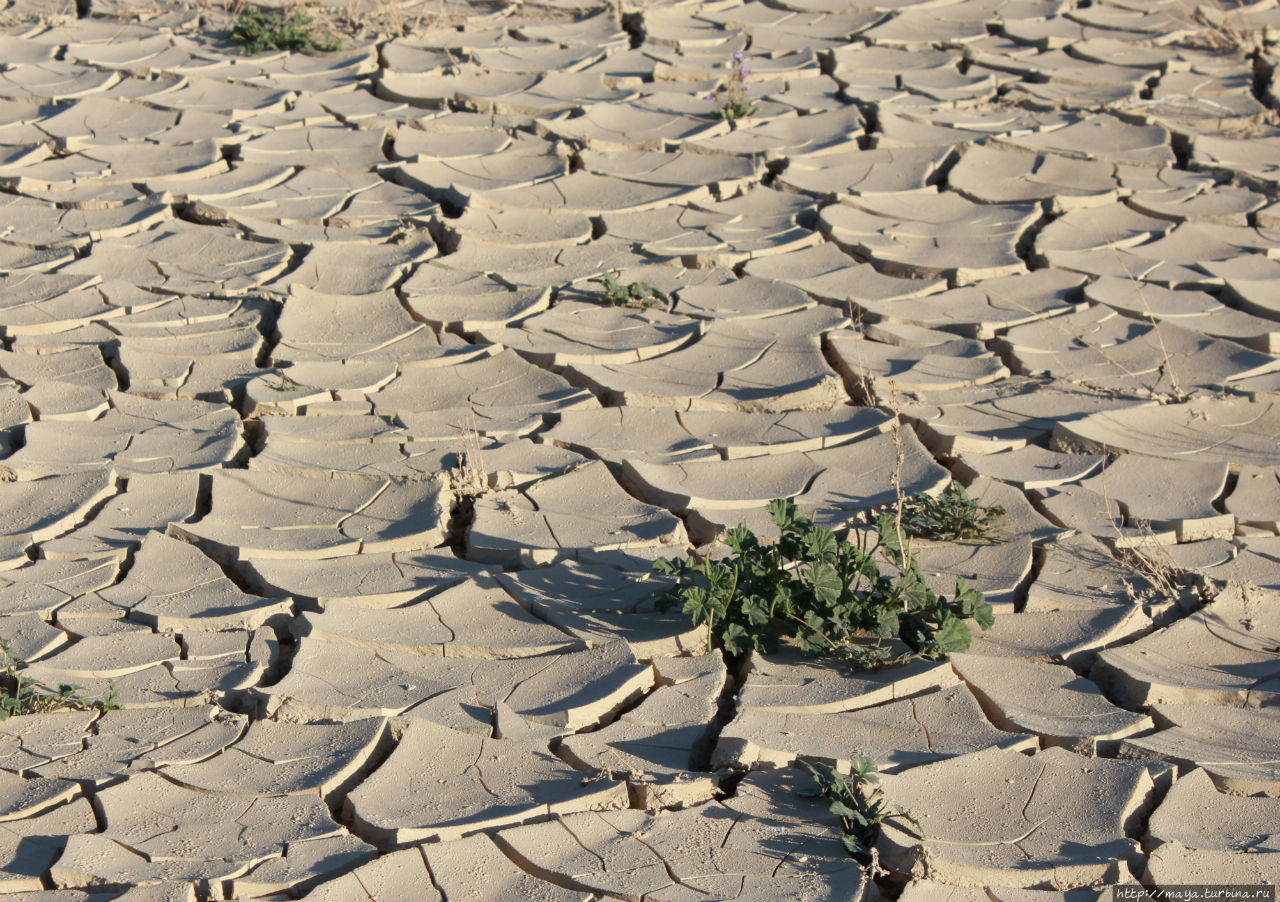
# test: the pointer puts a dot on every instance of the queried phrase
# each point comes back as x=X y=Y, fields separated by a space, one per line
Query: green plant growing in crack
x=827 y=594
x=635 y=294
x=26 y=696
x=858 y=800
x=285 y=384
x=733 y=96
x=258 y=30
x=951 y=516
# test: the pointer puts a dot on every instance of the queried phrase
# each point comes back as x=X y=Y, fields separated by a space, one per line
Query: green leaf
x=858 y=820
x=826 y=583
x=915 y=592
x=915 y=632
x=843 y=810
x=811 y=643
x=822 y=544
x=755 y=611
x=973 y=604
x=967 y=597
x=735 y=639
x=854 y=845
x=783 y=512
x=887 y=533
x=953 y=635
x=864 y=769
x=741 y=540
x=888 y=622
x=702 y=606
x=790 y=547
x=723 y=577
x=984 y=615
x=900 y=813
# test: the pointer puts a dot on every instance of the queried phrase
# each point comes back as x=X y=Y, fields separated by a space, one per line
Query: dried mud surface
x=324 y=446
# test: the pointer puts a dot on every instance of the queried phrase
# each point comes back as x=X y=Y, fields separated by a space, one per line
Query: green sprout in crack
x=285 y=384
x=732 y=97
x=952 y=516
x=258 y=30
x=635 y=294
x=831 y=596
x=858 y=800
x=21 y=695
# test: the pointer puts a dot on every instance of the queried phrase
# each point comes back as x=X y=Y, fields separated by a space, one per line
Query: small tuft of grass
x=258 y=30
x=952 y=516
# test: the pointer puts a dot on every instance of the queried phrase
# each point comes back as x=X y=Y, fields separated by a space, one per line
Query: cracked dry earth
x=321 y=445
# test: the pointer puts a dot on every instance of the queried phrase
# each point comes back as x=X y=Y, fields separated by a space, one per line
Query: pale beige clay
x=348 y=399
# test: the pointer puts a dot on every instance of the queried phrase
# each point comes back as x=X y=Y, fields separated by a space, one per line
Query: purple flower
x=738 y=55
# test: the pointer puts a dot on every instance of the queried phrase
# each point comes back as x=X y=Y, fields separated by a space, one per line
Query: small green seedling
x=636 y=294
x=110 y=701
x=285 y=384
x=858 y=800
x=951 y=516
x=258 y=30
x=827 y=594
x=20 y=696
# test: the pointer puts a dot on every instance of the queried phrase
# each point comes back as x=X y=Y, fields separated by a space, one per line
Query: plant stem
x=814 y=629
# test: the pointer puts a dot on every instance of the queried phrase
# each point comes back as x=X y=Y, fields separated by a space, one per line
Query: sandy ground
x=324 y=447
